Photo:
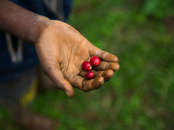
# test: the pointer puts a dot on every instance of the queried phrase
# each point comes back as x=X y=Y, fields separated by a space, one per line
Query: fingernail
x=69 y=93
x=116 y=59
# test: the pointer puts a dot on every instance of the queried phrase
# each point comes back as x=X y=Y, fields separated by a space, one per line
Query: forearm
x=20 y=22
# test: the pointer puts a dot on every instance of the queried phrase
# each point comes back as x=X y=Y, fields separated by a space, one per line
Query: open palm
x=62 y=50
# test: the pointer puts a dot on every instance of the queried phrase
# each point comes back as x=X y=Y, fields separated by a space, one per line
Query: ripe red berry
x=86 y=66
x=89 y=75
x=95 y=61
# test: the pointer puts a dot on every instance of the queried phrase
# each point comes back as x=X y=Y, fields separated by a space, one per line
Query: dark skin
x=60 y=47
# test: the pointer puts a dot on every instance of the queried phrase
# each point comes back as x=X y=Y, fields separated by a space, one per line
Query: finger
x=108 y=65
x=86 y=85
x=92 y=84
x=77 y=81
x=103 y=55
x=107 y=74
x=82 y=73
x=56 y=75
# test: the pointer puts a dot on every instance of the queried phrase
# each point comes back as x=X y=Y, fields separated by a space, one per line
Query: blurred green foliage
x=159 y=8
x=140 y=95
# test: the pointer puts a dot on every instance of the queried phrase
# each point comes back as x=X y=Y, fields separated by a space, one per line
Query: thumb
x=57 y=76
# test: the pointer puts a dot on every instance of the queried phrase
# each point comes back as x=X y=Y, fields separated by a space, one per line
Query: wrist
x=41 y=23
x=48 y=29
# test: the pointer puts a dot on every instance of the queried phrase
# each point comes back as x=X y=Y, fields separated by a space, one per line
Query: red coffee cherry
x=86 y=66
x=95 y=61
x=89 y=75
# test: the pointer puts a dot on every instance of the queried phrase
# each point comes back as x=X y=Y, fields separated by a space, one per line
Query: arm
x=61 y=48
x=21 y=22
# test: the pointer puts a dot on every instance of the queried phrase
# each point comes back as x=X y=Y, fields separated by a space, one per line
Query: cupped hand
x=62 y=49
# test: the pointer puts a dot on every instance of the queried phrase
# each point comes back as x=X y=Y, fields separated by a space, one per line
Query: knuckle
x=114 y=66
x=86 y=90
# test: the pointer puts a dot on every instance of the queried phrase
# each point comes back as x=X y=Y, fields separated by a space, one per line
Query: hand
x=62 y=50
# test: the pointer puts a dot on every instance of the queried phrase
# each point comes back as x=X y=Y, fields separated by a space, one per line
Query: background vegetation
x=140 y=96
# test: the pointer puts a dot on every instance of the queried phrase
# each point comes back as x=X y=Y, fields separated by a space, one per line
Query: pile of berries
x=87 y=66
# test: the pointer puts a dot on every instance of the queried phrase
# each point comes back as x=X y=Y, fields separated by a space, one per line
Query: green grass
x=140 y=95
